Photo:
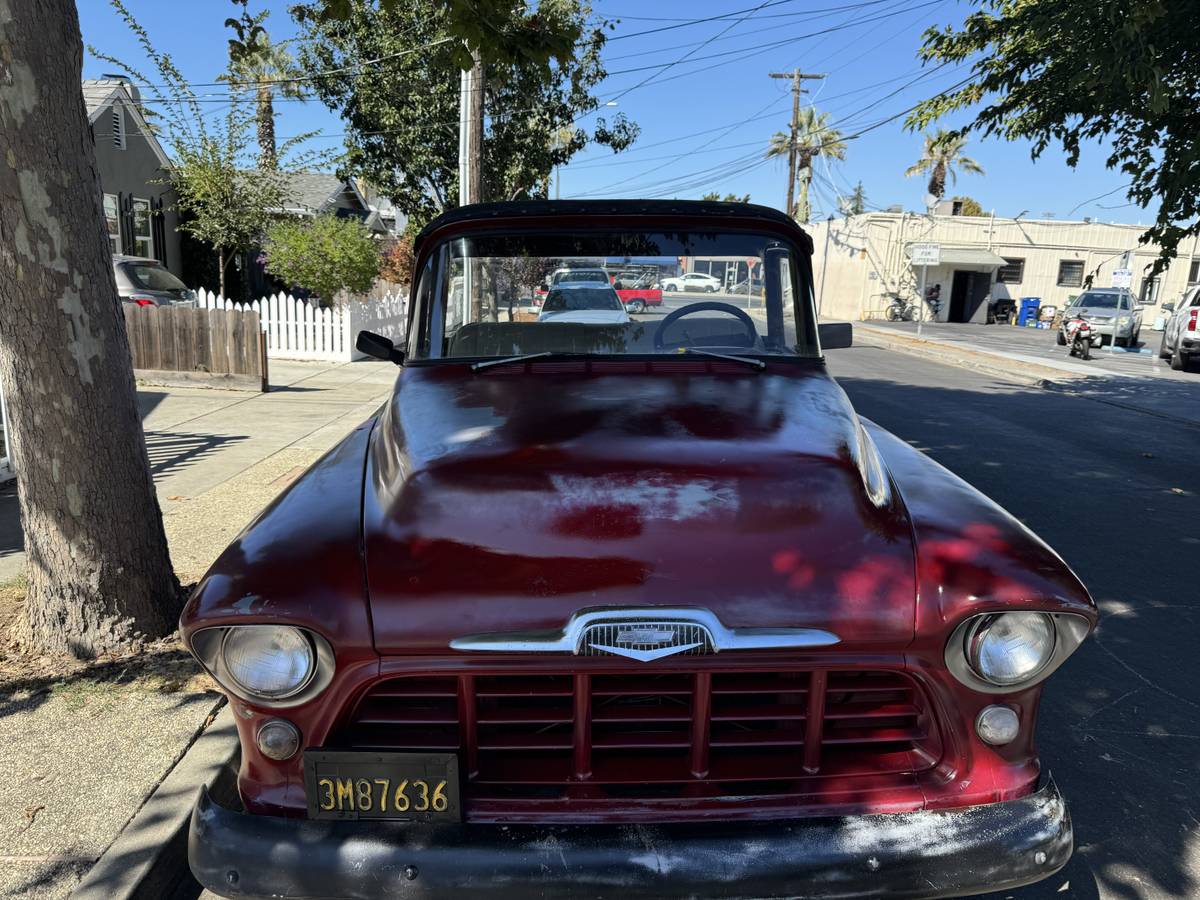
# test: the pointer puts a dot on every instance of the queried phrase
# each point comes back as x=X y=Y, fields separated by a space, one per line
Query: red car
x=637 y=610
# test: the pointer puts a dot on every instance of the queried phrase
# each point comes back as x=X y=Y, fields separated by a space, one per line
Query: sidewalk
x=85 y=745
x=199 y=438
x=1134 y=380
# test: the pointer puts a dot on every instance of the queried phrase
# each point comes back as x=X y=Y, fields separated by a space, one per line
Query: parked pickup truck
x=636 y=299
x=1181 y=338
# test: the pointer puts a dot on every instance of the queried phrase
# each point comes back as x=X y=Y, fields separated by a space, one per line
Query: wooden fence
x=210 y=346
x=297 y=329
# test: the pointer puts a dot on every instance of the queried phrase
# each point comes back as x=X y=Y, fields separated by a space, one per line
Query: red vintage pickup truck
x=636 y=299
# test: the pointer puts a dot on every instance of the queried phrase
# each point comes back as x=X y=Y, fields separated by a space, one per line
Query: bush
x=397 y=260
x=322 y=255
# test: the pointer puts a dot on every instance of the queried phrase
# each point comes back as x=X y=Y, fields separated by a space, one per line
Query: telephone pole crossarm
x=795 y=76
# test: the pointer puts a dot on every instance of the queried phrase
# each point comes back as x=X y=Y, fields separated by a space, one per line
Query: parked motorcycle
x=1079 y=335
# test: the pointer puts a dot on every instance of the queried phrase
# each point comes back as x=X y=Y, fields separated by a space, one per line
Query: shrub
x=322 y=255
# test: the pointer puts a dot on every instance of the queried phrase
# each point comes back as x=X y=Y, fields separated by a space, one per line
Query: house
x=861 y=262
x=138 y=201
x=318 y=193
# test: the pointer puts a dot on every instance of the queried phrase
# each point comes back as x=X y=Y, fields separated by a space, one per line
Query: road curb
x=980 y=360
x=149 y=856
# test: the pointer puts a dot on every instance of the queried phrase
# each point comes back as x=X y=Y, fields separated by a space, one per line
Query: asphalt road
x=1117 y=493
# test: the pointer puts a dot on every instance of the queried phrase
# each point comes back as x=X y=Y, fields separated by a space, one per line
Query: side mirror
x=1168 y=307
x=379 y=347
x=835 y=335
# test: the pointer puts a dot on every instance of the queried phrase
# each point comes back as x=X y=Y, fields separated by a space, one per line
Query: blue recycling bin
x=1029 y=310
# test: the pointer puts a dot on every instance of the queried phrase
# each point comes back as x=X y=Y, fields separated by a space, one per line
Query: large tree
x=397 y=90
x=1122 y=72
x=815 y=137
x=941 y=158
x=100 y=577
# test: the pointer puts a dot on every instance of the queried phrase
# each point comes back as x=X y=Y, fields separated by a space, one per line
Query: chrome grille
x=645 y=635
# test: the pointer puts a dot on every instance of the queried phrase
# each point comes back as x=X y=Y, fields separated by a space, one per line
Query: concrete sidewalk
x=199 y=439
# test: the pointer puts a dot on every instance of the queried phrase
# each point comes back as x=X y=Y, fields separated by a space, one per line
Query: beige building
x=861 y=263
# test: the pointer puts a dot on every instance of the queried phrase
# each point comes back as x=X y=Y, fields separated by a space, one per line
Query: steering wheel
x=715 y=305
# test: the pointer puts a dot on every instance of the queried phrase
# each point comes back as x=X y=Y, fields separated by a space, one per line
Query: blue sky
x=706 y=118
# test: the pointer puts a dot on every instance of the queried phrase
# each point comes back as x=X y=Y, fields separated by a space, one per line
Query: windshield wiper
x=488 y=363
x=747 y=360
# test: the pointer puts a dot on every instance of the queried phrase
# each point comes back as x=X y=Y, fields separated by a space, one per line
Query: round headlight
x=1009 y=648
x=268 y=661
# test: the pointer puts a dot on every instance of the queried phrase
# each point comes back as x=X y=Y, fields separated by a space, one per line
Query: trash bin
x=1029 y=311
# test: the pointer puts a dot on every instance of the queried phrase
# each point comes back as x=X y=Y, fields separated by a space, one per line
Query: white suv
x=692 y=281
x=1181 y=337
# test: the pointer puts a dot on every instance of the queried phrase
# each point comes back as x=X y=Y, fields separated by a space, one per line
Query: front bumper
x=946 y=853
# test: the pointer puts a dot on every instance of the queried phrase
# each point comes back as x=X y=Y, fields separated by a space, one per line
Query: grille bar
x=652 y=735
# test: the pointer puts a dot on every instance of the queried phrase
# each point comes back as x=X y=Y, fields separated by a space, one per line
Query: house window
x=118 y=127
x=112 y=221
x=143 y=234
x=1149 y=292
x=1011 y=272
x=1194 y=272
x=1070 y=273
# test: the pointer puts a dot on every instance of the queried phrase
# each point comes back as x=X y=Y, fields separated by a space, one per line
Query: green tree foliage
x=324 y=255
x=398 y=95
x=970 y=206
x=815 y=137
x=856 y=203
x=941 y=158
x=728 y=198
x=222 y=199
x=263 y=69
x=1071 y=71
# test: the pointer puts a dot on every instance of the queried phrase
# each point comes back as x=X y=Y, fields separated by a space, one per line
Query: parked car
x=1181 y=336
x=1113 y=313
x=583 y=303
x=692 y=281
x=630 y=611
x=147 y=282
x=633 y=290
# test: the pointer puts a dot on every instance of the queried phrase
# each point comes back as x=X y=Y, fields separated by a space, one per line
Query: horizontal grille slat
x=650 y=736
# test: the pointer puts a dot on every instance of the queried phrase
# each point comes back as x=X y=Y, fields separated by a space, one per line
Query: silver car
x=1181 y=338
x=1113 y=313
x=147 y=282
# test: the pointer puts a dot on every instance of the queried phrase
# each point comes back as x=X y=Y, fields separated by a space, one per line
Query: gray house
x=318 y=193
x=138 y=204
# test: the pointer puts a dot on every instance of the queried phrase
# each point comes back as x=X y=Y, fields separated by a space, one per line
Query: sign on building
x=926 y=254
x=1122 y=278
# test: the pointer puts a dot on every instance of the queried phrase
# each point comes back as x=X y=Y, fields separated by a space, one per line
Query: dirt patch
x=163 y=666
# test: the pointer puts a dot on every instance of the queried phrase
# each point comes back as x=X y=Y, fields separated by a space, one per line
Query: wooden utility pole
x=795 y=76
x=470 y=134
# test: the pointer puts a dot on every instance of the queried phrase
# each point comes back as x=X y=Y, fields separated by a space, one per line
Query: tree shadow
x=1120 y=723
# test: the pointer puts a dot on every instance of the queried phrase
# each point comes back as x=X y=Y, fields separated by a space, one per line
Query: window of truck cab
x=472 y=293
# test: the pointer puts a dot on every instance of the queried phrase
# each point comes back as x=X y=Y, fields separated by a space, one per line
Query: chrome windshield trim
x=569 y=639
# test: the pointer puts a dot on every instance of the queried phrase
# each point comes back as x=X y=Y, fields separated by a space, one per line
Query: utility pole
x=470 y=133
x=795 y=76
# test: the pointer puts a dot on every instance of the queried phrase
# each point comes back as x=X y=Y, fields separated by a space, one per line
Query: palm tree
x=943 y=153
x=267 y=69
x=814 y=138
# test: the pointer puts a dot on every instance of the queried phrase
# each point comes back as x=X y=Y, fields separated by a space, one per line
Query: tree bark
x=265 y=111
x=100 y=577
x=221 y=271
x=937 y=180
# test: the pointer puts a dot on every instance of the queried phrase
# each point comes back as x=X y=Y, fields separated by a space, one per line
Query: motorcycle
x=1079 y=335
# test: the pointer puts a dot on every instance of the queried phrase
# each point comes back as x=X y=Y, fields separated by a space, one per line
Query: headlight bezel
x=1069 y=631
x=207 y=645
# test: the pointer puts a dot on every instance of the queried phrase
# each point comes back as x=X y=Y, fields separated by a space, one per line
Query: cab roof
x=715 y=210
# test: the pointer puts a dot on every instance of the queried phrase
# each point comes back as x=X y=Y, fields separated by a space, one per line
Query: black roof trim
x=709 y=208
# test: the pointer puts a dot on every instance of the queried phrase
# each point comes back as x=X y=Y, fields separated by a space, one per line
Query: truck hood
x=510 y=499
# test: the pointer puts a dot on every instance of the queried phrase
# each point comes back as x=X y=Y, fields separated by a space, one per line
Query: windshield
x=577 y=299
x=154 y=278
x=476 y=297
x=1099 y=300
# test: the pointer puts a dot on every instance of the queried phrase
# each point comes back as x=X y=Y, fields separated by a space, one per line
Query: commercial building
x=862 y=263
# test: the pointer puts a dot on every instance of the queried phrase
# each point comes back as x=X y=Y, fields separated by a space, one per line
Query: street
x=1115 y=492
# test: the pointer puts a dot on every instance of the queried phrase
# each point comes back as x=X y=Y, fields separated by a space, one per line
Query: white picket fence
x=297 y=329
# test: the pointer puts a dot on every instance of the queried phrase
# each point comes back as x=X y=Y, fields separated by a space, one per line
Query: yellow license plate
x=419 y=787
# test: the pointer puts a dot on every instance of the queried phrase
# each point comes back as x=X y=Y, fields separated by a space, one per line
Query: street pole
x=824 y=265
x=921 y=301
x=795 y=76
x=470 y=134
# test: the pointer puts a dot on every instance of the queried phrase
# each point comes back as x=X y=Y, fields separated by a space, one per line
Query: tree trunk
x=221 y=271
x=937 y=180
x=100 y=577
x=804 y=176
x=265 y=110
